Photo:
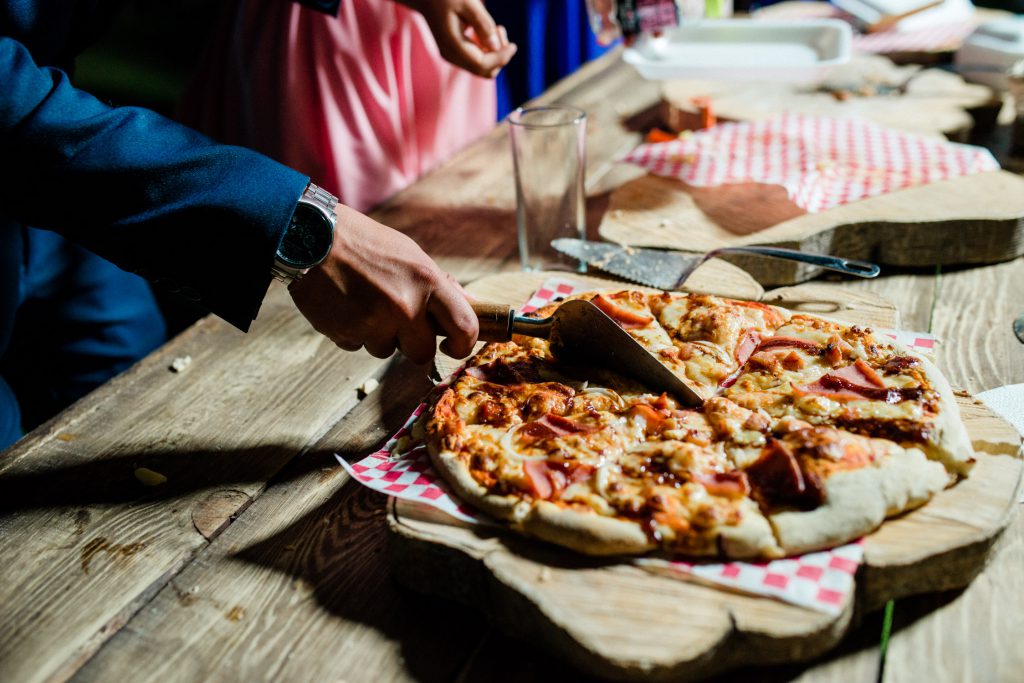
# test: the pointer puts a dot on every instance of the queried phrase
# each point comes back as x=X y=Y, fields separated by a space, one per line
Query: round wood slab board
x=970 y=219
x=935 y=102
x=618 y=621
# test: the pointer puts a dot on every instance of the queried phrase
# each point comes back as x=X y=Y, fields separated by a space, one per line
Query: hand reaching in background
x=466 y=34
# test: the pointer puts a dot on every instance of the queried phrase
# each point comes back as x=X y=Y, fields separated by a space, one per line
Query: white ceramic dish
x=990 y=51
x=743 y=50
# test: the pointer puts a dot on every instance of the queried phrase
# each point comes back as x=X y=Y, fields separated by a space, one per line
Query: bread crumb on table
x=180 y=363
x=367 y=387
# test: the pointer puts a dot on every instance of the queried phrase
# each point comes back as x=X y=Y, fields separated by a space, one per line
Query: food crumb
x=367 y=387
x=544 y=575
x=148 y=477
x=180 y=363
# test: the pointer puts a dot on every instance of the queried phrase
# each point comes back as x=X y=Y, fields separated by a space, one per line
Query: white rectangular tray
x=743 y=50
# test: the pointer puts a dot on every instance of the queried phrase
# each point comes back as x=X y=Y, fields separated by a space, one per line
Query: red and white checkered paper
x=822 y=162
x=936 y=38
x=821 y=581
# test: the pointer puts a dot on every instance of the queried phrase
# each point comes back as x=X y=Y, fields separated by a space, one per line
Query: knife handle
x=495 y=320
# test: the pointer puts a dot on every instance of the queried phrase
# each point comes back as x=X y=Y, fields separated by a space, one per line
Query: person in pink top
x=364 y=102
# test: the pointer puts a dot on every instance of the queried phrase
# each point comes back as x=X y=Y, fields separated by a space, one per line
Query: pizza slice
x=703 y=339
x=821 y=486
x=599 y=469
x=825 y=372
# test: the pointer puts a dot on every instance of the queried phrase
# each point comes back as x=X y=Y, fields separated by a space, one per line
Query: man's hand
x=378 y=289
x=466 y=34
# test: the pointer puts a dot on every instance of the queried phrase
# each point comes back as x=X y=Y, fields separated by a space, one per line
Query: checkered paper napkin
x=822 y=162
x=821 y=581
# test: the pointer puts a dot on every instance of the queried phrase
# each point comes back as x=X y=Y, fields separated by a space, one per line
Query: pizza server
x=668 y=270
x=579 y=330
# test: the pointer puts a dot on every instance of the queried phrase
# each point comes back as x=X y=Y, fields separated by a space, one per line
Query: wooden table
x=259 y=559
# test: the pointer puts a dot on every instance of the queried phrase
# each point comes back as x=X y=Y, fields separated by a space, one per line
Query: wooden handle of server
x=495 y=321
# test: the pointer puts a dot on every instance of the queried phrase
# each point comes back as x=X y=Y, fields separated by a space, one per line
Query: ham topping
x=654 y=419
x=732 y=484
x=549 y=427
x=627 y=320
x=548 y=480
x=811 y=347
x=852 y=383
x=500 y=372
x=777 y=479
x=746 y=347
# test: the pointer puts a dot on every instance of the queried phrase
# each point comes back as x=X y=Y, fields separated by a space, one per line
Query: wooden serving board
x=966 y=220
x=971 y=219
x=618 y=621
x=933 y=103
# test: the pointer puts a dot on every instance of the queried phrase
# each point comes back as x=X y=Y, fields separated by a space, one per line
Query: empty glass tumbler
x=549 y=157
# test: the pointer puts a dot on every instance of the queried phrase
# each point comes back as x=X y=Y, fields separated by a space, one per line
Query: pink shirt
x=362 y=103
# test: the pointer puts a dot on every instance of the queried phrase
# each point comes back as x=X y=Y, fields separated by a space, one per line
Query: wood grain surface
x=969 y=219
x=930 y=102
x=94 y=562
x=645 y=628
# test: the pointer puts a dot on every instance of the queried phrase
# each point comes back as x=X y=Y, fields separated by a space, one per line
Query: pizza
x=811 y=433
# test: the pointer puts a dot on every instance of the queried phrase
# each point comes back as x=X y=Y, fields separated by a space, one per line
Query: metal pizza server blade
x=579 y=329
x=651 y=267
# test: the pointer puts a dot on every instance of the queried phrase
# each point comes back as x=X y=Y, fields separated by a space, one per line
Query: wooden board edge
x=953 y=568
x=418 y=560
x=858 y=233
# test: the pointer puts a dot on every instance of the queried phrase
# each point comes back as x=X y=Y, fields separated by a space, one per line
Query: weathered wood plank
x=299 y=587
x=972 y=634
x=974 y=313
x=86 y=544
x=912 y=294
x=854 y=660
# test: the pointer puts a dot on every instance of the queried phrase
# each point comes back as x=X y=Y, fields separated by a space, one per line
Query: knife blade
x=651 y=267
x=579 y=330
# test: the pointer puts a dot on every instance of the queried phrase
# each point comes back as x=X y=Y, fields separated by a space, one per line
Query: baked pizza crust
x=952 y=445
x=858 y=501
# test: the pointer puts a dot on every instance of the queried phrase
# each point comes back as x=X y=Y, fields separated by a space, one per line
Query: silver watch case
x=323 y=201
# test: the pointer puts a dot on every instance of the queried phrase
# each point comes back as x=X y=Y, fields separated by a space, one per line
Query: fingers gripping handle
x=495 y=321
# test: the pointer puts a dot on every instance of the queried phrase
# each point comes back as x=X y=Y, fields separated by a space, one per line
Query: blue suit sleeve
x=326 y=6
x=154 y=197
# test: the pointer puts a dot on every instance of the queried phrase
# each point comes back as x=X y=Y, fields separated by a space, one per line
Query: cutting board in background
x=965 y=220
x=969 y=220
x=926 y=43
x=926 y=102
x=617 y=621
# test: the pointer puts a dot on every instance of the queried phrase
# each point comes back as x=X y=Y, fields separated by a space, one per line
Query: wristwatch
x=307 y=240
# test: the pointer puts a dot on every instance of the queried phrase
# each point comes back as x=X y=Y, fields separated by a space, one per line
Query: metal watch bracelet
x=325 y=200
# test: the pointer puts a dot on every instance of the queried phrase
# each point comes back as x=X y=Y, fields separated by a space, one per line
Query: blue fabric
x=154 y=197
x=554 y=40
x=80 y=320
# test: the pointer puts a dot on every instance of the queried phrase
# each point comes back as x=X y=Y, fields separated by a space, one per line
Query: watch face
x=308 y=239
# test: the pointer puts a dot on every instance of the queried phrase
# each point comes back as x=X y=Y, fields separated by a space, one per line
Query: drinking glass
x=548 y=153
